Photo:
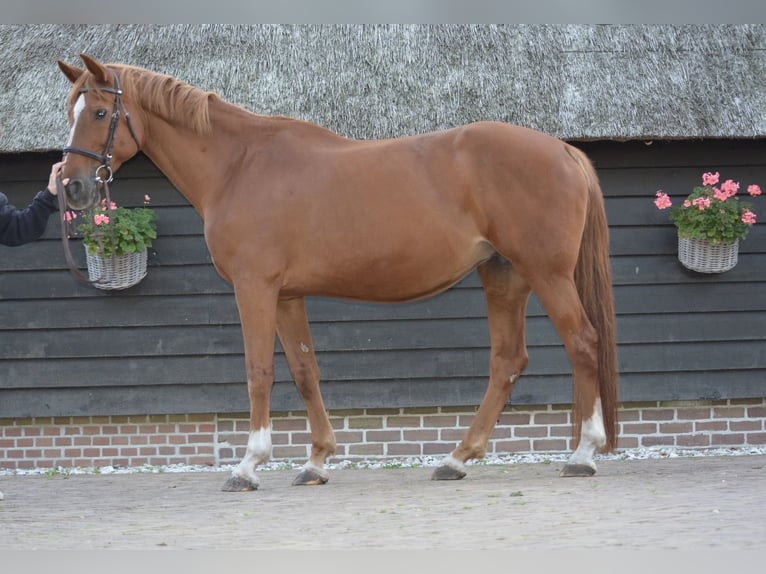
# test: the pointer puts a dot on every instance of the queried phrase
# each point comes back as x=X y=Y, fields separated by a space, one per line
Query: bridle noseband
x=105 y=157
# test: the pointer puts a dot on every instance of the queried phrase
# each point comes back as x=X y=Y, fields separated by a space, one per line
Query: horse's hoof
x=310 y=477
x=447 y=472
x=238 y=484
x=577 y=470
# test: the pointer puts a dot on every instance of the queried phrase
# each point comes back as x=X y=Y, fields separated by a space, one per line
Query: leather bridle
x=105 y=157
x=104 y=160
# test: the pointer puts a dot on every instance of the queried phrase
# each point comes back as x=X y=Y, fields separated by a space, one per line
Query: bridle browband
x=105 y=157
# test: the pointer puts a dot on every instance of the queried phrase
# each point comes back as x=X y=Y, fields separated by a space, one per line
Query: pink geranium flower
x=710 y=178
x=748 y=217
x=730 y=187
x=110 y=229
x=712 y=212
x=663 y=200
x=720 y=194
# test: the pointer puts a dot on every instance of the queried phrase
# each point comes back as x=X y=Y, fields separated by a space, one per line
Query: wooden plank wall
x=172 y=344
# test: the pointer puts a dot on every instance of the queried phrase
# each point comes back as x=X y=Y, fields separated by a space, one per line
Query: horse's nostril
x=74 y=188
x=78 y=194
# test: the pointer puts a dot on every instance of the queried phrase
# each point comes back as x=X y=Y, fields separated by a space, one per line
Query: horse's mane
x=169 y=98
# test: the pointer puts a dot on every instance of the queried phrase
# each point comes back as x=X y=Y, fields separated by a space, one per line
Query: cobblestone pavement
x=686 y=503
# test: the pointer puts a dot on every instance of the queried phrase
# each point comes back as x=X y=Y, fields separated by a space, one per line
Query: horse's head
x=102 y=136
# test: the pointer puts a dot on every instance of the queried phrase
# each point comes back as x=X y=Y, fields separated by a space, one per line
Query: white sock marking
x=592 y=437
x=452 y=462
x=258 y=451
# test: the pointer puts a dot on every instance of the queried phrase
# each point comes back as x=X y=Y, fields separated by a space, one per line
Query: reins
x=65 y=233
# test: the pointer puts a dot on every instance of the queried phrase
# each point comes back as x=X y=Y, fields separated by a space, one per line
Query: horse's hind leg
x=295 y=337
x=507 y=294
x=558 y=295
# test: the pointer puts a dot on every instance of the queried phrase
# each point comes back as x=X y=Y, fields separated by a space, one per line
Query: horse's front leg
x=295 y=336
x=257 y=312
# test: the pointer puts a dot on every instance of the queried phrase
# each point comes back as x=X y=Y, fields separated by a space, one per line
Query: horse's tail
x=593 y=277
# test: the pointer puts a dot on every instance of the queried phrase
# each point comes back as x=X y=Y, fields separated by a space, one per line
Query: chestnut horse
x=291 y=209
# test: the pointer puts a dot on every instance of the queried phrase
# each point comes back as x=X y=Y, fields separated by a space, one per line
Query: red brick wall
x=209 y=439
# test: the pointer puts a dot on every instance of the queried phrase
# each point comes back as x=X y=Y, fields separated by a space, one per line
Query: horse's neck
x=199 y=165
x=196 y=164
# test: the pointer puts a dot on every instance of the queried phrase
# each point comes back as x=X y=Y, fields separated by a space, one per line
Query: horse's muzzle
x=81 y=194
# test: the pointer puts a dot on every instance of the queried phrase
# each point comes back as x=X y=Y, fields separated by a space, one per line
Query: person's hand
x=55 y=171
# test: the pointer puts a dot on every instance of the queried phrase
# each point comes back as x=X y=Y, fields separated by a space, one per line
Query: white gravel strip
x=409 y=462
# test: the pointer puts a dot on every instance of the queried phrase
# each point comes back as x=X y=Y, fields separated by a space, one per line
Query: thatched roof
x=573 y=81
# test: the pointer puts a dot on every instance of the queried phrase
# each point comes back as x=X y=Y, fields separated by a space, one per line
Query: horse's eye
x=100 y=114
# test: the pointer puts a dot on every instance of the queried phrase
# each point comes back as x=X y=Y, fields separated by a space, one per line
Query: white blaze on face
x=79 y=106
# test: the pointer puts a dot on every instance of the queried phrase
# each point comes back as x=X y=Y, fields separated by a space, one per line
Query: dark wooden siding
x=173 y=343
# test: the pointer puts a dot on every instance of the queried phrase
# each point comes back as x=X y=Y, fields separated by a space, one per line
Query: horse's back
x=396 y=219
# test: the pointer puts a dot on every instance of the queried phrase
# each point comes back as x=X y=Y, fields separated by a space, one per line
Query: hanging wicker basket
x=703 y=256
x=118 y=272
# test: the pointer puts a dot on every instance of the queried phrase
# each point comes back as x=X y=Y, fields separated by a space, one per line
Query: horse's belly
x=415 y=274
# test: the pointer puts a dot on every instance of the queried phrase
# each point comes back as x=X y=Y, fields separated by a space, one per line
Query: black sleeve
x=19 y=226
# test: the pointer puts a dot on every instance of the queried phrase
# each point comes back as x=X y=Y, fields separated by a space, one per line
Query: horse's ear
x=71 y=72
x=99 y=71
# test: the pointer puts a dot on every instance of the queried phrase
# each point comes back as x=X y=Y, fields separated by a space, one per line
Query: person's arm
x=20 y=226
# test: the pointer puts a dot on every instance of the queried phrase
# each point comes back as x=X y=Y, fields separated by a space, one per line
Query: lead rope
x=65 y=232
